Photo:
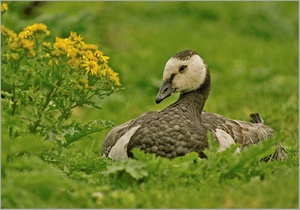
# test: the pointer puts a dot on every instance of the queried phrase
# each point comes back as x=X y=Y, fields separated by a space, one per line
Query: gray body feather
x=173 y=139
x=242 y=132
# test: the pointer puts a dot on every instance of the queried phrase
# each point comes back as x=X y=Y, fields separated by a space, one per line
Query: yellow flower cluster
x=4 y=7
x=82 y=55
x=25 y=39
x=72 y=51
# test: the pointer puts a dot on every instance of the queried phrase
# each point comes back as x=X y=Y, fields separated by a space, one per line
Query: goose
x=182 y=127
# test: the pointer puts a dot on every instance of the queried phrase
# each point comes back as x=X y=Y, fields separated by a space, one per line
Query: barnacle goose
x=182 y=127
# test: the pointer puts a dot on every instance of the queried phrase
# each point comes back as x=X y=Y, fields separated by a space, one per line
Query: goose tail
x=280 y=154
x=256 y=118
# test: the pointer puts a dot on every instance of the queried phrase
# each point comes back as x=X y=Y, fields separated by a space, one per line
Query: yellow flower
x=27 y=44
x=105 y=70
x=37 y=27
x=76 y=38
x=47 y=45
x=59 y=43
x=28 y=32
x=4 y=7
x=11 y=37
x=65 y=46
x=113 y=76
x=89 y=47
x=23 y=35
x=74 y=63
x=98 y=54
x=103 y=67
x=71 y=52
x=15 y=56
x=90 y=66
x=88 y=54
x=104 y=59
x=15 y=44
x=7 y=32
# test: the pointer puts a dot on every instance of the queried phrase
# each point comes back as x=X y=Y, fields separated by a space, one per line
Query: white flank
x=119 y=150
x=225 y=140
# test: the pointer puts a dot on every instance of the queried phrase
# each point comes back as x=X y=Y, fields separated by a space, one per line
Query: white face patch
x=191 y=78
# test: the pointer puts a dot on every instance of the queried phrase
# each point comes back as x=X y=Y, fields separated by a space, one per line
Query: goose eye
x=182 y=68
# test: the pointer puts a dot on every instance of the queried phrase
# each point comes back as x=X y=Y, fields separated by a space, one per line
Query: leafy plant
x=43 y=82
x=132 y=167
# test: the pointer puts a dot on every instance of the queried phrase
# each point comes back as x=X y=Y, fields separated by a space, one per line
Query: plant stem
x=14 y=106
x=63 y=114
x=48 y=99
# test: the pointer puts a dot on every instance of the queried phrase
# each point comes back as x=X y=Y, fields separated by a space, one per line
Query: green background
x=251 y=49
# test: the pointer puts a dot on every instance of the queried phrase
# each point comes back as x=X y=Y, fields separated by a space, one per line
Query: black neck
x=195 y=100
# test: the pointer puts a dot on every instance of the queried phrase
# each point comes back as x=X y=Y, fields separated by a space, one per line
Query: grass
x=251 y=49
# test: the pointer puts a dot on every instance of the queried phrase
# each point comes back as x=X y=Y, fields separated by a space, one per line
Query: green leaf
x=24 y=144
x=132 y=167
x=76 y=130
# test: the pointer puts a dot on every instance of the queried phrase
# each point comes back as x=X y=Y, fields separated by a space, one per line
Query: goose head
x=184 y=72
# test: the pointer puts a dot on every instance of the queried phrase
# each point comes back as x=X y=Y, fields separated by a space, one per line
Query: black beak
x=164 y=92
